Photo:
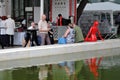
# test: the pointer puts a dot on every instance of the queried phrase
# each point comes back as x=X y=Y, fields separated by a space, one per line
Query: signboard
x=28 y=9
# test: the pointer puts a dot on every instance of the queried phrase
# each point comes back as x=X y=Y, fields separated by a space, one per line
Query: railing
x=51 y=54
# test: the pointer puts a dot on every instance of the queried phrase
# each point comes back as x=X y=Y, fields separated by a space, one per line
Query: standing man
x=78 y=34
x=1 y=43
x=43 y=33
x=43 y=29
x=10 y=26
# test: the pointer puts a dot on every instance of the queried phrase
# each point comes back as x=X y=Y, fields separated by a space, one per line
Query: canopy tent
x=102 y=6
x=95 y=11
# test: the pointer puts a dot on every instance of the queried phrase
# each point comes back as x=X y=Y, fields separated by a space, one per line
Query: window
x=37 y=3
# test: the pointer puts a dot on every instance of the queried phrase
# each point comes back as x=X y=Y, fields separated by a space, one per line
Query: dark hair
x=4 y=17
x=70 y=25
x=59 y=15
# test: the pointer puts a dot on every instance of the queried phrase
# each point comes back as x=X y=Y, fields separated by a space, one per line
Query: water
x=109 y=69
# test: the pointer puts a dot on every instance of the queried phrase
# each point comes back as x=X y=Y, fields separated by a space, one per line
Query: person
x=31 y=35
x=1 y=43
x=43 y=30
x=50 y=33
x=10 y=26
x=70 y=38
x=78 y=34
x=24 y=24
x=62 y=21
x=45 y=40
x=4 y=37
x=26 y=40
x=91 y=36
x=33 y=30
x=2 y=26
x=69 y=34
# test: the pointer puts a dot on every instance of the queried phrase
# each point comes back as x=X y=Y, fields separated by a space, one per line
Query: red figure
x=93 y=66
x=91 y=36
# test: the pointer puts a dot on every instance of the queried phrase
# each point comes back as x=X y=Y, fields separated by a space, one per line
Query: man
x=32 y=29
x=10 y=26
x=1 y=43
x=62 y=21
x=30 y=36
x=24 y=24
x=43 y=29
x=78 y=34
x=43 y=33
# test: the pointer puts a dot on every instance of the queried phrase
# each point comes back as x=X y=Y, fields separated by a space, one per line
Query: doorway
x=29 y=18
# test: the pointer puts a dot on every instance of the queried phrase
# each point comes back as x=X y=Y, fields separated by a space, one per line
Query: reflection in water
x=93 y=65
x=109 y=69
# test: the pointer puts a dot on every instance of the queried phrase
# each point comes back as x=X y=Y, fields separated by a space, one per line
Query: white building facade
x=33 y=8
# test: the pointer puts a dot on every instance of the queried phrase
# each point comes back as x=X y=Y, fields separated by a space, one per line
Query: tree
x=81 y=7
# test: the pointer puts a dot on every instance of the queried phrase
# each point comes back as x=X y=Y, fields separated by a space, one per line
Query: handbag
x=62 y=40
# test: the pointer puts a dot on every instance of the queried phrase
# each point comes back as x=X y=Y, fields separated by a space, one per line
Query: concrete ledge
x=22 y=57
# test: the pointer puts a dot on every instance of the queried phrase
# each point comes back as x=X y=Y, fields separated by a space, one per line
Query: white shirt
x=24 y=22
x=31 y=27
x=10 y=26
x=2 y=27
x=42 y=25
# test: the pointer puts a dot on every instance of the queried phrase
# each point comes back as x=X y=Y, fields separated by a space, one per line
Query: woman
x=70 y=38
x=69 y=34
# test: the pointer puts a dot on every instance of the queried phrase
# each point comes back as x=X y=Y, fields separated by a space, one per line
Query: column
x=42 y=7
x=111 y=19
x=8 y=7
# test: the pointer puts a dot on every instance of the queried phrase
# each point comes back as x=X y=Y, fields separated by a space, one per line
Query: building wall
x=5 y=7
x=9 y=4
x=8 y=7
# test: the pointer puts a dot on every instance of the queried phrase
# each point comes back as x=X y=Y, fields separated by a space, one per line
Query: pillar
x=42 y=7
